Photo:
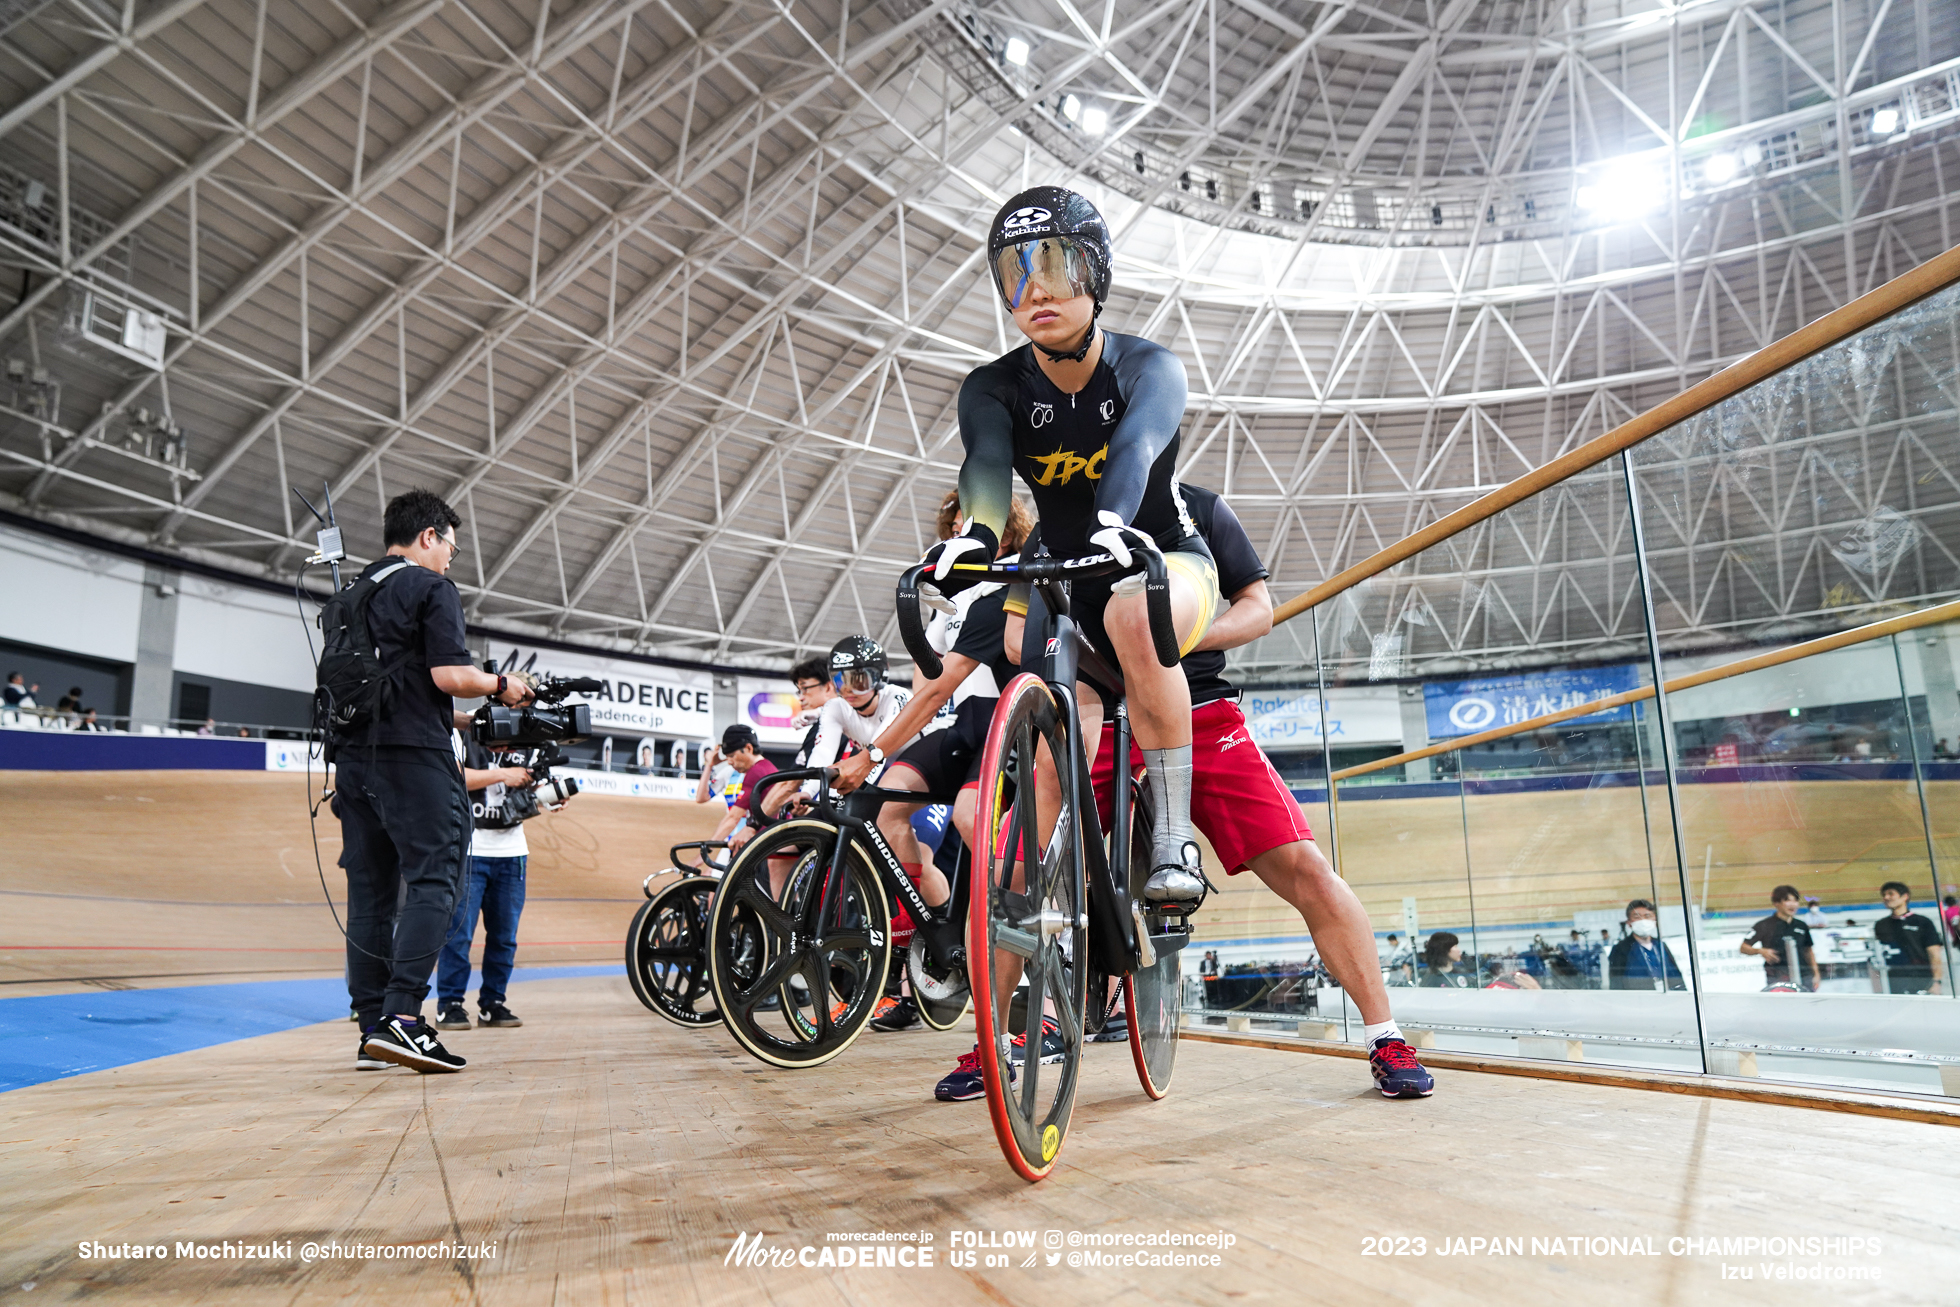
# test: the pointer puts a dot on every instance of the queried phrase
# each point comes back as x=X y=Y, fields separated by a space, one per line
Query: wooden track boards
x=155 y=878
x=613 y=1158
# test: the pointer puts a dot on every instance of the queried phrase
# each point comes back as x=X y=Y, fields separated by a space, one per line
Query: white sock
x=1380 y=1030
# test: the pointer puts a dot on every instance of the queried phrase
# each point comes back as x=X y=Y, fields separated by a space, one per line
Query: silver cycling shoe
x=1171 y=883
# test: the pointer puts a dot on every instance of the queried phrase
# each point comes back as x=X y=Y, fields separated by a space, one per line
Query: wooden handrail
x=1930 y=277
x=1791 y=653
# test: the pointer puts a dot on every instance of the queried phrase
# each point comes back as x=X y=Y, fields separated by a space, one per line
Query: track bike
x=1059 y=907
x=799 y=934
x=666 y=946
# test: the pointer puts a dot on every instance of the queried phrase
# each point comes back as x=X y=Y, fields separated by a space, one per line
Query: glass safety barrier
x=1754 y=872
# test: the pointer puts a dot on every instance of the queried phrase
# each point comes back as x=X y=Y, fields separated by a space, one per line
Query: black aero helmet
x=857 y=664
x=1052 y=236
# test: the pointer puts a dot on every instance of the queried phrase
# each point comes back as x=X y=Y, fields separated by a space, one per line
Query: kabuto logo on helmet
x=1053 y=211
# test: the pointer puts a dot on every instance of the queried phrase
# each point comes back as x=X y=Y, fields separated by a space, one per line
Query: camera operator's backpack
x=352 y=686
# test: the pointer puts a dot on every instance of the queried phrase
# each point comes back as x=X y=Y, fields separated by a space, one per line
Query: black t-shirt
x=982 y=636
x=1769 y=933
x=1908 y=942
x=416 y=616
x=1238 y=567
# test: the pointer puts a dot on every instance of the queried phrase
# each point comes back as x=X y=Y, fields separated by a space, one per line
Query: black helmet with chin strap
x=858 y=654
x=1051 y=237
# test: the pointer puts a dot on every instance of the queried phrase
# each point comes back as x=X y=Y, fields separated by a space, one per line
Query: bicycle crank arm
x=1146 y=955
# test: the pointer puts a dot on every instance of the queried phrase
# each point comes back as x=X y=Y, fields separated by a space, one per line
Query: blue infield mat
x=59 y=1035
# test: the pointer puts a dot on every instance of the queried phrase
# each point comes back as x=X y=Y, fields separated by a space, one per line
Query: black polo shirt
x=1769 y=933
x=417 y=617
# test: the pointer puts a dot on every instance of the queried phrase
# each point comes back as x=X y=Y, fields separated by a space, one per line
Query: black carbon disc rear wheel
x=1151 y=993
x=667 y=952
x=796 y=986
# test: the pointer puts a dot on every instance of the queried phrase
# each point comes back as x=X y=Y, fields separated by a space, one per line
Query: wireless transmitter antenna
x=328 y=536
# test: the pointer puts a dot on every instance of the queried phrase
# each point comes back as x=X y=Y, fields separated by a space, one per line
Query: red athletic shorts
x=1237 y=799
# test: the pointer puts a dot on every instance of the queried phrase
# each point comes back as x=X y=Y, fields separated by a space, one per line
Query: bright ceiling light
x=1017 y=52
x=1625 y=189
x=1721 y=168
x=1885 y=122
x=1071 y=108
x=1095 y=121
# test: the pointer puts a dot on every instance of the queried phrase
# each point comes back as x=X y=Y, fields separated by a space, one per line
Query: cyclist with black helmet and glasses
x=1089 y=420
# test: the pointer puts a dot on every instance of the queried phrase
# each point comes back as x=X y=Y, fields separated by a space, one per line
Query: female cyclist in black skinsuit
x=1089 y=420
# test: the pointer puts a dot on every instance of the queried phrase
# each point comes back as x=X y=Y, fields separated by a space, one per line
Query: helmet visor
x=1057 y=264
x=856 y=680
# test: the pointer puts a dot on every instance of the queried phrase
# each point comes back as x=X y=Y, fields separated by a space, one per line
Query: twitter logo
x=1053 y=1258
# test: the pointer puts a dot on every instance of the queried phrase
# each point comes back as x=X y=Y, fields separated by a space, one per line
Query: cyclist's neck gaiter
x=1169 y=774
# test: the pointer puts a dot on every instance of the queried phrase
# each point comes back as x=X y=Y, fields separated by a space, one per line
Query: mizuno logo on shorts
x=1227 y=741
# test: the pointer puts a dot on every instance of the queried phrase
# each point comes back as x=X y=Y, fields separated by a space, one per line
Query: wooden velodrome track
x=607 y=1156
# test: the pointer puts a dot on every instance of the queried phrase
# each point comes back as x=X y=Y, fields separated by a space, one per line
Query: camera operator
x=493 y=886
x=404 y=816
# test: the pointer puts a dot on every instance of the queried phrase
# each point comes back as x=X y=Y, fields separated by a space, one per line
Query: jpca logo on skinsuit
x=1059 y=468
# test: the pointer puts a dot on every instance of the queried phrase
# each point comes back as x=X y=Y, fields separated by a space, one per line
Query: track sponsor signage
x=636 y=699
x=769 y=705
x=1454 y=708
x=627 y=785
x=1290 y=719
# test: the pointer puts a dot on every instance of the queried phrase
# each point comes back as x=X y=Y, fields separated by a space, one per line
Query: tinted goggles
x=855 y=681
x=1057 y=264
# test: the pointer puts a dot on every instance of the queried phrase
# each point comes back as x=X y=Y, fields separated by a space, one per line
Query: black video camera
x=545 y=790
x=545 y=722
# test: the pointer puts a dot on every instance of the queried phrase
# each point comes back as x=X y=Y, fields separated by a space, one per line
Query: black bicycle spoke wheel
x=792 y=976
x=667 y=953
x=1025 y=925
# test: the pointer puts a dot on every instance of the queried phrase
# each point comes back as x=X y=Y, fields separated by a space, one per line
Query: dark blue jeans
x=495 y=887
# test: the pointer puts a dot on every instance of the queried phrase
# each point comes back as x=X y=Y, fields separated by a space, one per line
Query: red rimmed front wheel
x=1026 y=924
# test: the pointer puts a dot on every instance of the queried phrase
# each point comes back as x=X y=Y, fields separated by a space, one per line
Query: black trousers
x=405 y=840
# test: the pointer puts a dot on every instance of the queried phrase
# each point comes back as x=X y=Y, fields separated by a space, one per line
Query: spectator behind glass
x=88 y=722
x=1766 y=938
x=1440 y=955
x=1950 y=912
x=1914 y=963
x=18 y=693
x=1641 y=961
x=1504 y=974
x=210 y=726
x=71 y=702
x=1400 y=962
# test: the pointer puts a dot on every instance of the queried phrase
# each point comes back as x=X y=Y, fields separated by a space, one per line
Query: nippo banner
x=636 y=699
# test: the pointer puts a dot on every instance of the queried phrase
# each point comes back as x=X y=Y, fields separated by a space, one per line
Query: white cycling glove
x=1122 y=542
x=941 y=558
